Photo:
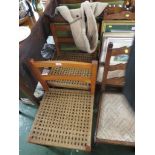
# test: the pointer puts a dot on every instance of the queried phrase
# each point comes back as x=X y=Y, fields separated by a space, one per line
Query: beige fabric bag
x=85 y=33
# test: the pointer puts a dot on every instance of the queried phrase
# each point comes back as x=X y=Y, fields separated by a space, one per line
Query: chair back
x=114 y=73
x=35 y=67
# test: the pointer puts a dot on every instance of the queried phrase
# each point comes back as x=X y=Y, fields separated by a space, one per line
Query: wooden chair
x=115 y=121
x=64 y=118
x=65 y=46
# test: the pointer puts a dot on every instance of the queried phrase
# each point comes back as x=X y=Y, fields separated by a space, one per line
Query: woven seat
x=116 y=122
x=68 y=83
x=64 y=119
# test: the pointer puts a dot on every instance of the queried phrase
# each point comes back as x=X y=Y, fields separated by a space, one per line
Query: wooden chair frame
x=117 y=81
x=117 y=13
x=35 y=65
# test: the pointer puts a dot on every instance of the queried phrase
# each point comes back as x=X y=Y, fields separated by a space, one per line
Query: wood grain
x=119 y=51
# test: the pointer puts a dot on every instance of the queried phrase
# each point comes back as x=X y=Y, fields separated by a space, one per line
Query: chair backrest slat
x=65 y=40
x=119 y=51
x=60 y=27
x=117 y=67
x=117 y=81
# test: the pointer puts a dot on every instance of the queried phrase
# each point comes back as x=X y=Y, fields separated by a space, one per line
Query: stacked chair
x=115 y=122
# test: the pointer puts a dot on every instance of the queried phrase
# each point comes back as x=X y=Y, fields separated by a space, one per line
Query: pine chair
x=115 y=122
x=64 y=118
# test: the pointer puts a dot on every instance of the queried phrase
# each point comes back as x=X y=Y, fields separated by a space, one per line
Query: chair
x=64 y=118
x=115 y=120
x=65 y=46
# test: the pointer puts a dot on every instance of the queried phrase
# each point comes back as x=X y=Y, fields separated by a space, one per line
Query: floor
x=25 y=148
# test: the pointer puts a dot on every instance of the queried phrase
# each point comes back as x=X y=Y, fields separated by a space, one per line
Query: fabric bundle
x=83 y=23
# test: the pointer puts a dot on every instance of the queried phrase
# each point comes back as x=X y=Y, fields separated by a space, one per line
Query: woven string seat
x=116 y=122
x=75 y=56
x=68 y=83
x=64 y=119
